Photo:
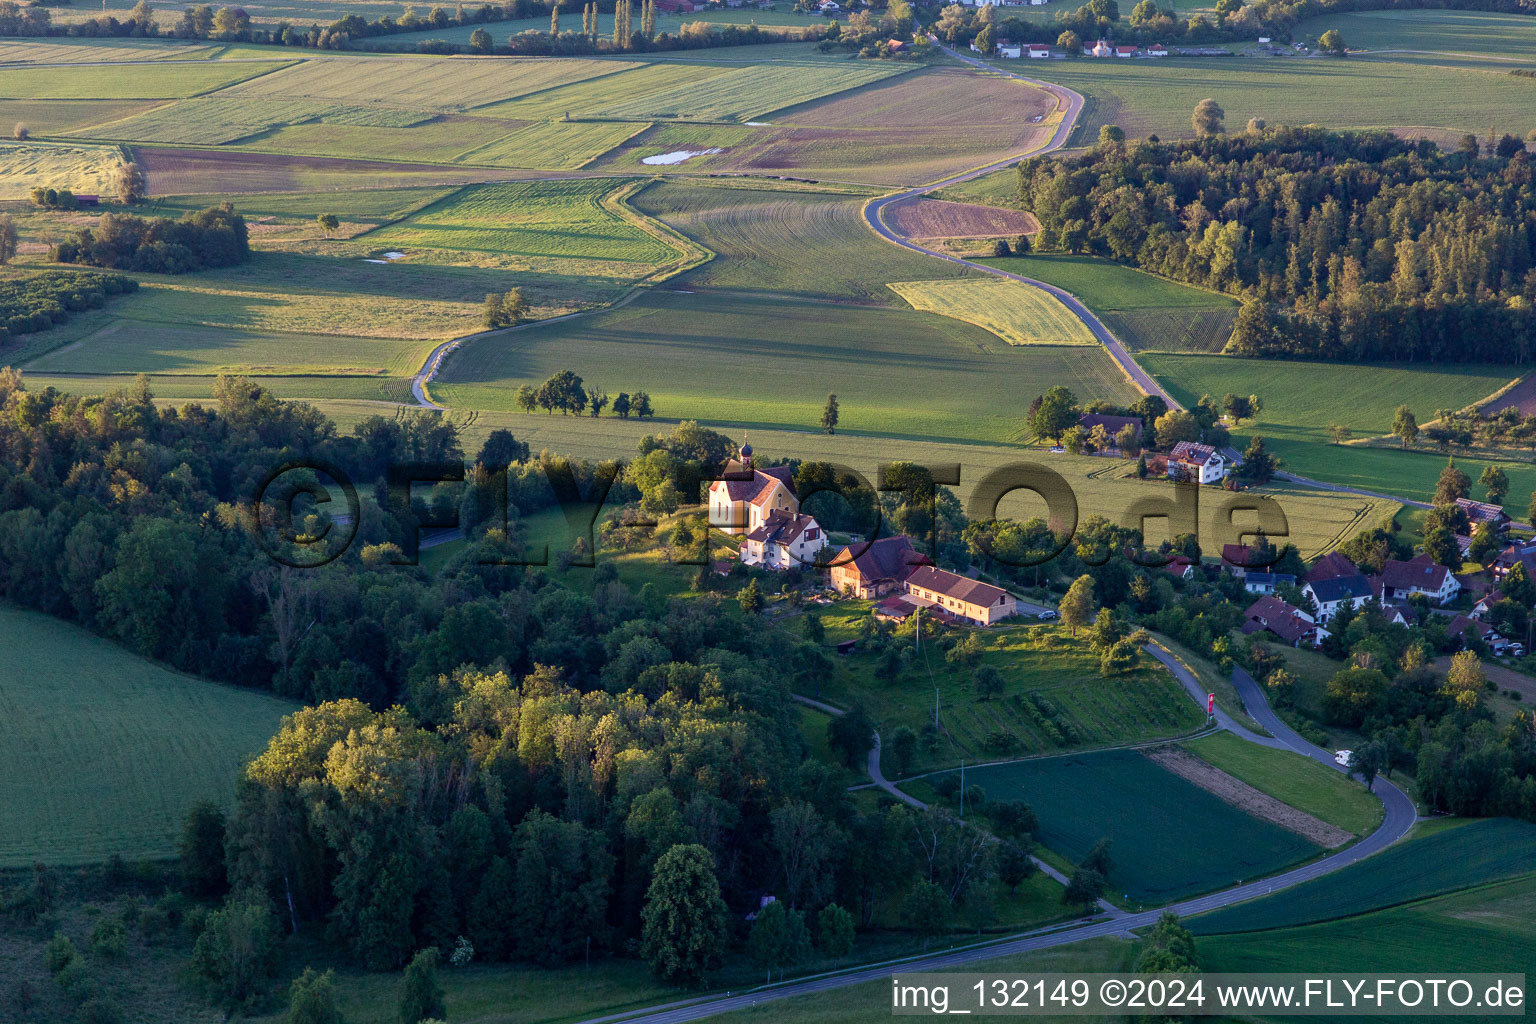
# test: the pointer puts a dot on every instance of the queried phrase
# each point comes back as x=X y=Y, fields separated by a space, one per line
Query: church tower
x=745 y=453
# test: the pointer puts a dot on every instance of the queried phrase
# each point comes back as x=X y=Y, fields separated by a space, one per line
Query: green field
x=1440 y=862
x=1297 y=413
x=1169 y=838
x=586 y=96
x=128 y=82
x=1143 y=310
x=1081 y=707
x=1480 y=34
x=1017 y=313
x=556 y=145
x=103 y=752
x=752 y=92
x=758 y=360
x=1294 y=779
x=1148 y=97
x=548 y=219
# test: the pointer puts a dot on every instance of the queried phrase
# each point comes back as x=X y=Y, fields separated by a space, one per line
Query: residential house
x=1332 y=595
x=785 y=541
x=1198 y=462
x=1486 y=602
x=740 y=501
x=1469 y=629
x=960 y=597
x=1112 y=424
x=875 y=568
x=1480 y=512
x=1038 y=51
x=1181 y=566
x=1239 y=560
x=1265 y=582
x=1125 y=51
x=1157 y=50
x=1516 y=554
x=1401 y=580
x=1396 y=611
x=1285 y=621
x=1330 y=567
x=1010 y=50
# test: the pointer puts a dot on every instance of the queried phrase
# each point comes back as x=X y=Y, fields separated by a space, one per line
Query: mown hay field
x=441 y=140
x=443 y=84
x=52 y=51
x=1169 y=838
x=64 y=117
x=173 y=171
x=103 y=752
x=27 y=165
x=751 y=92
x=212 y=121
x=375 y=394
x=1294 y=779
x=552 y=145
x=1017 y=313
x=1440 y=862
x=128 y=82
x=549 y=219
x=584 y=96
x=937 y=218
x=763 y=360
x=1483 y=34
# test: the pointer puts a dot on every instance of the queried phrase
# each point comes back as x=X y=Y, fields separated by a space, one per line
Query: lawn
x=1169 y=838
x=537 y=219
x=1490 y=929
x=1156 y=96
x=1297 y=413
x=1054 y=696
x=708 y=355
x=1017 y=313
x=1143 y=310
x=1440 y=862
x=1293 y=779
x=103 y=752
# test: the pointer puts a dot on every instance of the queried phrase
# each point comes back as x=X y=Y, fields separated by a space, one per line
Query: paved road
x=1071 y=104
x=1399 y=816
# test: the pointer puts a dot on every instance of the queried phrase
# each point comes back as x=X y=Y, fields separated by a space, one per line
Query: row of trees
x=569 y=394
x=1343 y=245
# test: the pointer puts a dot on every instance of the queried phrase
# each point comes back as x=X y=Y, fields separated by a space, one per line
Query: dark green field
x=1440 y=862
x=1169 y=838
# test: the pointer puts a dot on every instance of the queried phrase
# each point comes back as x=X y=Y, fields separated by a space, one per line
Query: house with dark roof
x=1112 y=424
x=1515 y=554
x=1401 y=580
x=1265 y=582
x=785 y=540
x=1239 y=560
x=1330 y=567
x=1333 y=595
x=1197 y=462
x=875 y=568
x=1285 y=621
x=1480 y=513
x=1470 y=629
x=961 y=597
x=743 y=496
x=1486 y=602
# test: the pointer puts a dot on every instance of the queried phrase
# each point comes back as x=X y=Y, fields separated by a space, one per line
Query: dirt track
x=1244 y=797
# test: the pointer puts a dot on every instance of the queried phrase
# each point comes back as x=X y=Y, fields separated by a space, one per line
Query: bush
x=109 y=937
x=75 y=981
x=59 y=953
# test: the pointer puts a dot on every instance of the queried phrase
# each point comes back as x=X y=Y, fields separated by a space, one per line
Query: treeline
x=214 y=237
x=694 y=35
x=40 y=301
x=1354 y=246
x=566 y=393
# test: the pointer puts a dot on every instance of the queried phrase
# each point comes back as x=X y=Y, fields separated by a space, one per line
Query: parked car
x=1049 y=613
x=1516 y=650
x=1344 y=757
x=1057 y=449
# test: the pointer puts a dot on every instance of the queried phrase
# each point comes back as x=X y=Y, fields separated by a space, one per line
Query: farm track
x=1400 y=814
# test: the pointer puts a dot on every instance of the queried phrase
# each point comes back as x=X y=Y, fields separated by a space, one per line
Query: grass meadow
x=1298 y=412
x=1054 y=696
x=1429 y=865
x=1143 y=310
x=1169 y=838
x=103 y=752
x=128 y=82
x=1017 y=313
x=1293 y=779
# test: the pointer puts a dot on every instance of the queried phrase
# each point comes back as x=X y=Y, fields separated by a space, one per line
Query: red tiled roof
x=1287 y=622
x=782 y=528
x=1331 y=566
x=740 y=485
x=1420 y=572
x=961 y=588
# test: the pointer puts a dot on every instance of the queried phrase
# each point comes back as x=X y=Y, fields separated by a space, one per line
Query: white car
x=1049 y=613
x=1057 y=449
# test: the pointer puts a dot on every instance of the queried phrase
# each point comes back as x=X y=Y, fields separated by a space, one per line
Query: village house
x=784 y=541
x=1039 y=50
x=1239 y=560
x=1125 y=51
x=1486 y=602
x=875 y=568
x=1286 y=622
x=1198 y=462
x=1480 y=512
x=1011 y=50
x=1265 y=582
x=1469 y=629
x=1401 y=580
x=740 y=501
x=1513 y=555
x=1157 y=50
x=1332 y=595
x=1181 y=566
x=1331 y=567
x=1112 y=425
x=960 y=597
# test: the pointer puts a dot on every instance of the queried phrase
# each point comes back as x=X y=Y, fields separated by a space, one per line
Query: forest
x=1348 y=246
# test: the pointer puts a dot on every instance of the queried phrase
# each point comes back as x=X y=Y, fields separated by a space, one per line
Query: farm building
x=676 y=6
x=1198 y=462
x=1239 y=560
x=741 y=500
x=1480 y=512
x=1332 y=595
x=1125 y=51
x=1401 y=580
x=1013 y=51
x=1157 y=50
x=1285 y=621
x=959 y=597
x=786 y=540
x=1039 y=50
x=876 y=568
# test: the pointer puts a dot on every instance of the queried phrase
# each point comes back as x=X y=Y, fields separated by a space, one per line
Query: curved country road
x=1399 y=816
x=874 y=215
